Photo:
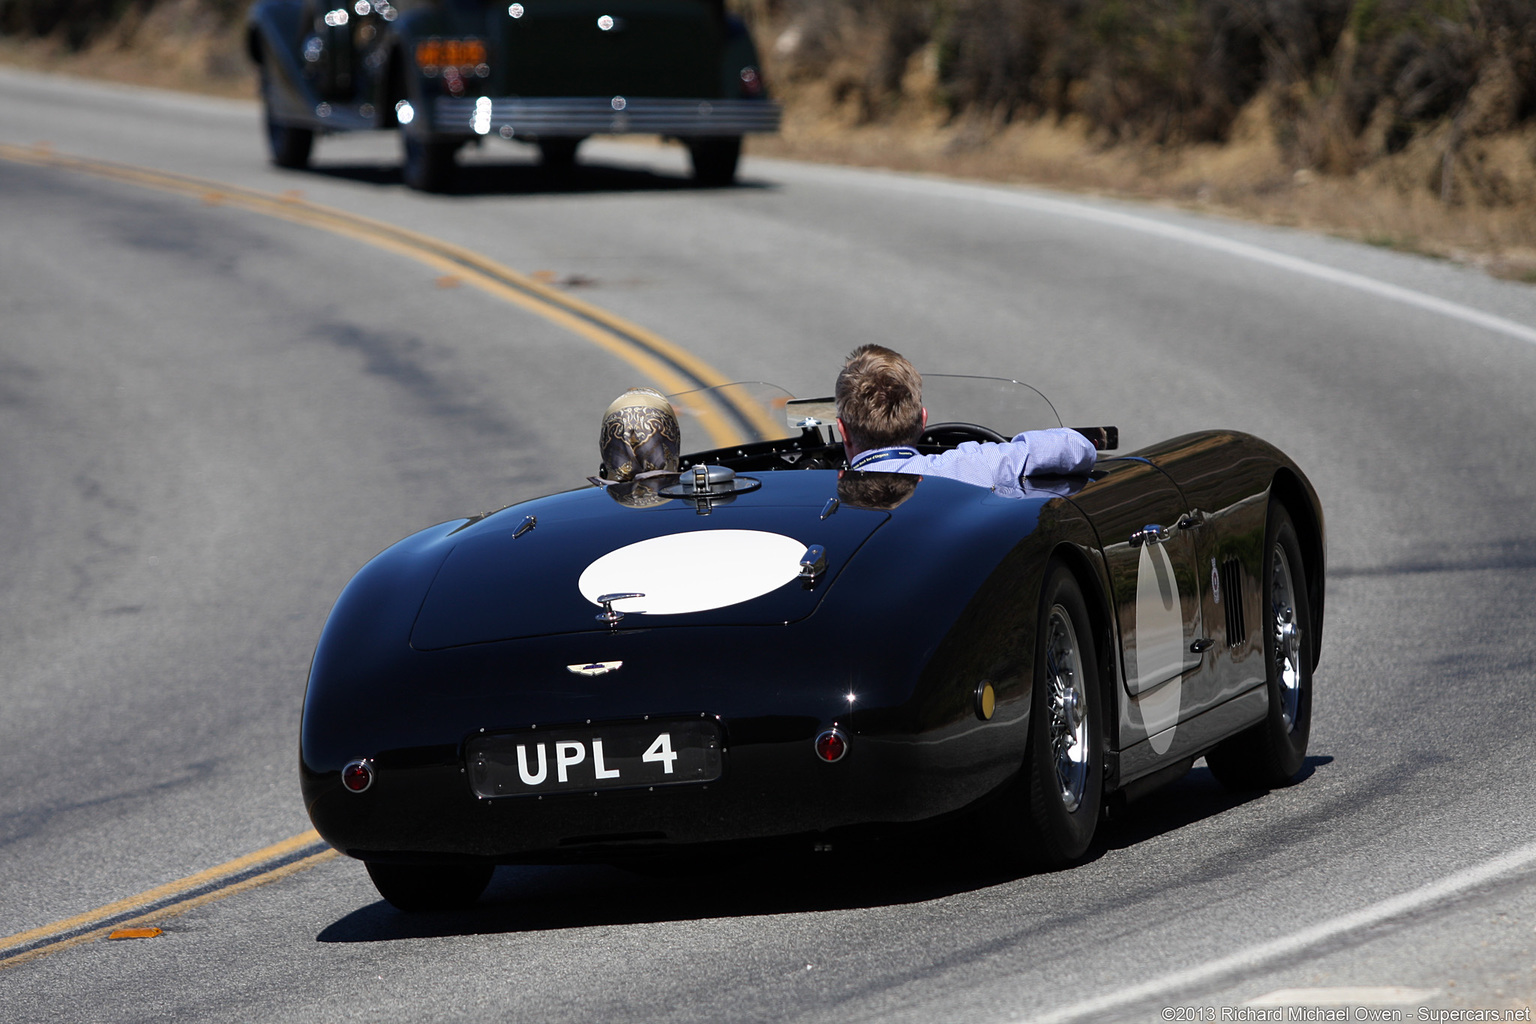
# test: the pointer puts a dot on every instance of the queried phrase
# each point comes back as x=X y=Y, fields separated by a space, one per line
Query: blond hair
x=879 y=398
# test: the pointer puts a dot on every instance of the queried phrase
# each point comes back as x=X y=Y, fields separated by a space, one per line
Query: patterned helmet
x=640 y=435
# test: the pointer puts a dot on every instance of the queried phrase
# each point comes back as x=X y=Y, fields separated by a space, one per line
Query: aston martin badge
x=596 y=668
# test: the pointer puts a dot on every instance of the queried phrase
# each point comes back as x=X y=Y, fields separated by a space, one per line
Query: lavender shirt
x=1001 y=467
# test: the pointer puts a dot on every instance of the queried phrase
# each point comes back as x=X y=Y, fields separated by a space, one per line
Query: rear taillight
x=831 y=745
x=357 y=776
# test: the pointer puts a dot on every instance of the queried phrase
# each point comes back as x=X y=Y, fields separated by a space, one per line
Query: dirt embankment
x=194 y=45
x=1405 y=123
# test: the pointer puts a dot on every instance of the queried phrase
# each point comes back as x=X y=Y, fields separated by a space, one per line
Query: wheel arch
x=273 y=22
x=1301 y=504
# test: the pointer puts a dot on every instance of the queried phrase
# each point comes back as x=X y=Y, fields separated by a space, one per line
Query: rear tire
x=1061 y=788
x=558 y=155
x=429 y=165
x=714 y=159
x=423 y=888
x=1272 y=752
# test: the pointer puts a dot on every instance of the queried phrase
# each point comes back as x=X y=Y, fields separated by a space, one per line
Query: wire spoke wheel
x=1273 y=752
x=1285 y=634
x=1062 y=782
x=1066 y=701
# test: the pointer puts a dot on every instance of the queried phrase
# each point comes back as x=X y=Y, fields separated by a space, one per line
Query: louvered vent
x=1232 y=590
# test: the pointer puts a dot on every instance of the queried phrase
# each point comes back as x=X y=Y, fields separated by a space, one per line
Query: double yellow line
x=732 y=419
x=136 y=912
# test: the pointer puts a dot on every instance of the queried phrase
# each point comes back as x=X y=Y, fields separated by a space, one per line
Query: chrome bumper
x=509 y=116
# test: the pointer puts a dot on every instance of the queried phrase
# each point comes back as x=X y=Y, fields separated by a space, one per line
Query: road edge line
x=1297 y=942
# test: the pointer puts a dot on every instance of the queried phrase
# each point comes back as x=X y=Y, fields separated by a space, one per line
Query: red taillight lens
x=429 y=53
x=463 y=55
x=357 y=776
x=831 y=746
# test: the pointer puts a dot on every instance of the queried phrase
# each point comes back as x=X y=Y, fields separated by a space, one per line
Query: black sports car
x=770 y=647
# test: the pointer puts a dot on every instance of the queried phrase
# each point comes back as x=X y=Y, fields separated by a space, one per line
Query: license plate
x=614 y=755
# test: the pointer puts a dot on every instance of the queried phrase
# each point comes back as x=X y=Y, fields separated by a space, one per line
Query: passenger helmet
x=640 y=435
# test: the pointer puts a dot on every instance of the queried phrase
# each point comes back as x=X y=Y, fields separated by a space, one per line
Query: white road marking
x=1346 y=995
x=1191 y=236
x=1295 y=944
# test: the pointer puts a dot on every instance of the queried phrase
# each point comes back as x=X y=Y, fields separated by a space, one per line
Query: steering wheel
x=947 y=435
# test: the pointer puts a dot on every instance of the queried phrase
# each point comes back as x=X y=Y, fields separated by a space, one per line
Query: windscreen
x=747 y=411
x=998 y=403
x=732 y=414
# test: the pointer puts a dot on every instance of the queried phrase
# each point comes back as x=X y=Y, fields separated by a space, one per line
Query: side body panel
x=1225 y=480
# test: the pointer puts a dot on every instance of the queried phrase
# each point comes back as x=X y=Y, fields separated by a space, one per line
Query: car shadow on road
x=482 y=178
x=911 y=867
x=532 y=899
x=1195 y=797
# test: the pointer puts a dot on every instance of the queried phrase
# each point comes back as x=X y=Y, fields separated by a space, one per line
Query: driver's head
x=640 y=435
x=879 y=399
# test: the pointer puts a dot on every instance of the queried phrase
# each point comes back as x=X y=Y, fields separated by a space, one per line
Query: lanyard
x=881 y=455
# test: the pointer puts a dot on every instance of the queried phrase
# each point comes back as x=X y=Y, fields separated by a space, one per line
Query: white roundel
x=1159 y=645
x=693 y=572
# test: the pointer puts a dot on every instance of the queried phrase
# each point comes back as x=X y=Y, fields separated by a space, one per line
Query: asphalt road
x=211 y=416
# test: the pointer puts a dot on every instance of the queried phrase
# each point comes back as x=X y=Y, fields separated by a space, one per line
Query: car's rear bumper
x=420 y=811
x=533 y=117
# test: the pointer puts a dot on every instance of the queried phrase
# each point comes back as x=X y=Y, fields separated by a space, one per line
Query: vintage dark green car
x=548 y=72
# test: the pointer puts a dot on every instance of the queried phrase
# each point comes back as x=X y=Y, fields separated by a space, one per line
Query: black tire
x=1062 y=784
x=289 y=146
x=429 y=165
x=1271 y=753
x=558 y=155
x=423 y=888
x=714 y=159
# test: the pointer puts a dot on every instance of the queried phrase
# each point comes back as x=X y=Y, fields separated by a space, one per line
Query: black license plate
x=612 y=755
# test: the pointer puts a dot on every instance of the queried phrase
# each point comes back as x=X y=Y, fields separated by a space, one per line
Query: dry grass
x=179 y=44
x=1393 y=202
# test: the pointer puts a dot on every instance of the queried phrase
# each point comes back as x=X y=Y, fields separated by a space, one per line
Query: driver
x=880 y=415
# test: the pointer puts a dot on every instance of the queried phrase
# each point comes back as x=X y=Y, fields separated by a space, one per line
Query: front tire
x=1062 y=784
x=429 y=165
x=423 y=888
x=1271 y=753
